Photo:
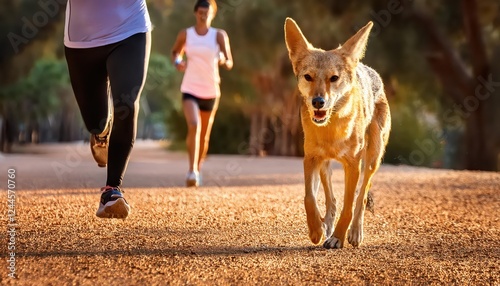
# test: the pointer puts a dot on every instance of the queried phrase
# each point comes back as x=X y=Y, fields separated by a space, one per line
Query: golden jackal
x=346 y=117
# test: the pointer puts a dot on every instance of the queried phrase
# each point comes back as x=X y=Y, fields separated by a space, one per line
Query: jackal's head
x=325 y=78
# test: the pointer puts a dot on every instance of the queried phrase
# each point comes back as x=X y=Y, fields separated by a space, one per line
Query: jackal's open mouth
x=319 y=116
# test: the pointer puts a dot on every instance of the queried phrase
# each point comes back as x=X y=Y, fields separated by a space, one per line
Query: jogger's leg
x=89 y=80
x=191 y=113
x=127 y=67
x=207 y=121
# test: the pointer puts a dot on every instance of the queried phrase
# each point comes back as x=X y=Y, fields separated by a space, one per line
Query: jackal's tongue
x=319 y=113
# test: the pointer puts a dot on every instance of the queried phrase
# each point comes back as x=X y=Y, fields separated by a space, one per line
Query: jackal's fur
x=346 y=117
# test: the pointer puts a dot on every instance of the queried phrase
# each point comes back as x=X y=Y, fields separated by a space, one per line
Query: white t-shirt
x=201 y=77
x=94 y=23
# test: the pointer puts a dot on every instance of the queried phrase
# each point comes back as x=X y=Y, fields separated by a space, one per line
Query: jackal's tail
x=370 y=204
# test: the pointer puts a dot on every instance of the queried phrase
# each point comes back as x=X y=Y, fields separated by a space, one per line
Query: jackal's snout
x=318 y=102
x=319 y=114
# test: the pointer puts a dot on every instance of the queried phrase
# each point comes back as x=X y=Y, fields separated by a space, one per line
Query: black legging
x=125 y=65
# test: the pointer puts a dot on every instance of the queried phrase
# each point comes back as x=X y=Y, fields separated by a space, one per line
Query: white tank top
x=201 y=77
x=94 y=23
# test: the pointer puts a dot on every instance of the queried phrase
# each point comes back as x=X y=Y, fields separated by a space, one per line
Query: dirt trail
x=245 y=226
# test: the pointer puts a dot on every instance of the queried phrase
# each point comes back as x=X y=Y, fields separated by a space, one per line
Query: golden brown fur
x=345 y=117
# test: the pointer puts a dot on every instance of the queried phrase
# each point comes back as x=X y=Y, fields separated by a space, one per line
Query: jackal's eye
x=308 y=77
x=334 y=78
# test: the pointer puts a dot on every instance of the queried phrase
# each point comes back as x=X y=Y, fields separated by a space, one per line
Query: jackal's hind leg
x=377 y=138
x=352 y=171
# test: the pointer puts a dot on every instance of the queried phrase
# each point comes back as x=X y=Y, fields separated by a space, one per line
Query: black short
x=203 y=104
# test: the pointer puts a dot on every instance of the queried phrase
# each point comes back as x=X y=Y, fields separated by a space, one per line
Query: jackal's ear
x=355 y=47
x=296 y=43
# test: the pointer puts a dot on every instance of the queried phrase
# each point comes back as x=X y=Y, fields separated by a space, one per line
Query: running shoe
x=192 y=179
x=112 y=204
x=99 y=147
x=99 y=143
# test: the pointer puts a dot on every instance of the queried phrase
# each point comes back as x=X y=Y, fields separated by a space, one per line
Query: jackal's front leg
x=351 y=180
x=331 y=207
x=311 y=178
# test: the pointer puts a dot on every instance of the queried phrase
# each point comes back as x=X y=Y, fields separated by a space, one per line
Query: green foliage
x=30 y=30
x=158 y=98
x=231 y=129
x=412 y=140
x=414 y=124
x=161 y=84
x=177 y=128
x=37 y=95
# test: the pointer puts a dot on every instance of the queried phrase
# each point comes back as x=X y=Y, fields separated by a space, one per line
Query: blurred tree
x=41 y=98
x=30 y=30
x=462 y=59
x=158 y=96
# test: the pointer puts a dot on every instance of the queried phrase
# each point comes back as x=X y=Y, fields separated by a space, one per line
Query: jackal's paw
x=328 y=230
x=328 y=227
x=355 y=236
x=333 y=242
x=316 y=235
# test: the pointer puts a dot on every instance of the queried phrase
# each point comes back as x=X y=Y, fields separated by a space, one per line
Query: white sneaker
x=192 y=179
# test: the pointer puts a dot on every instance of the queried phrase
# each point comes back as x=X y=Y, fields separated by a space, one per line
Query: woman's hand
x=227 y=64
x=225 y=57
x=181 y=66
x=178 y=51
x=222 y=59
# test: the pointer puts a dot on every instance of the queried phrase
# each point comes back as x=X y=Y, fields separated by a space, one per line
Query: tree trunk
x=471 y=92
x=257 y=123
x=476 y=137
x=8 y=134
x=491 y=117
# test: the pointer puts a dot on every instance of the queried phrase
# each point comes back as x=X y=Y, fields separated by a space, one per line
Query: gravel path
x=245 y=226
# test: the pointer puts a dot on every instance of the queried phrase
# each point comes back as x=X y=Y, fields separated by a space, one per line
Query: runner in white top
x=205 y=49
x=107 y=46
x=201 y=77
